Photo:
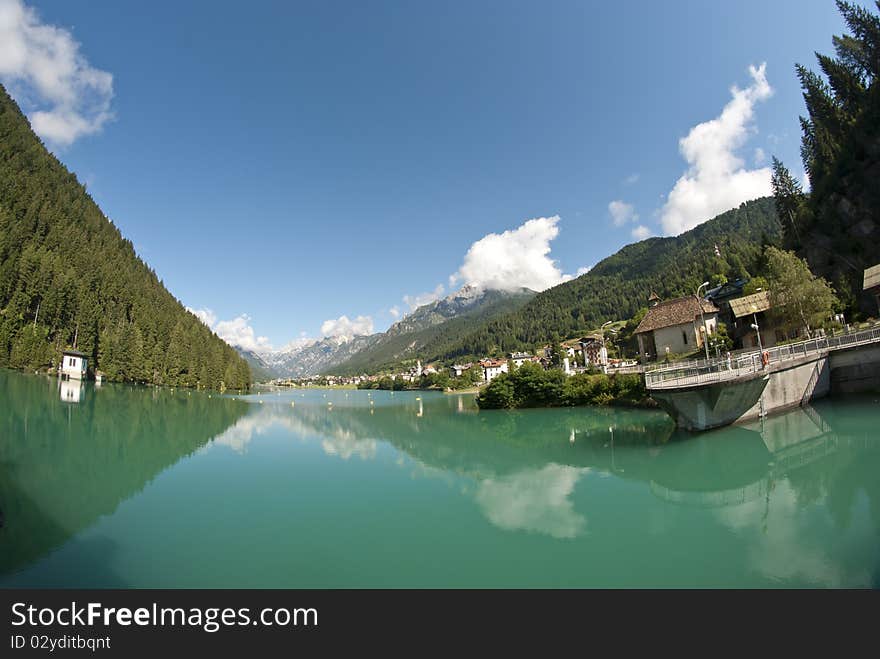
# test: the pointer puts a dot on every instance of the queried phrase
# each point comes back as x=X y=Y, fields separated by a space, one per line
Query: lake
x=144 y=487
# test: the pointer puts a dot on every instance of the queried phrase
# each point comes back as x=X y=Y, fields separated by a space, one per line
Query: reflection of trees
x=836 y=459
x=62 y=466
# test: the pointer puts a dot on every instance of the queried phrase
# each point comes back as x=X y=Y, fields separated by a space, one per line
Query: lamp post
x=703 y=319
x=754 y=310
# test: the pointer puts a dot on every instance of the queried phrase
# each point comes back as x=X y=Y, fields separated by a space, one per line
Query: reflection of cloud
x=780 y=546
x=534 y=500
x=346 y=445
x=238 y=436
x=335 y=440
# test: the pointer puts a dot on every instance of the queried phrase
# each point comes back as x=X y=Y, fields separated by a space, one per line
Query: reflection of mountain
x=63 y=466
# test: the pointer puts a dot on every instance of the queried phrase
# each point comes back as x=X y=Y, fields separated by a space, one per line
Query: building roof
x=492 y=363
x=727 y=290
x=674 y=312
x=749 y=304
x=74 y=353
x=872 y=277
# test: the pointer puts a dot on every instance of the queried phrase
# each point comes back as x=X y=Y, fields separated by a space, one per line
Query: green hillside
x=425 y=343
x=66 y=272
x=617 y=287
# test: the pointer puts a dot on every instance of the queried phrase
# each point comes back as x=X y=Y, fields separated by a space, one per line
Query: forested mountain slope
x=66 y=271
x=618 y=286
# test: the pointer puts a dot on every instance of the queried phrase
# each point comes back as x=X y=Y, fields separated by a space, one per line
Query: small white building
x=520 y=358
x=74 y=364
x=492 y=368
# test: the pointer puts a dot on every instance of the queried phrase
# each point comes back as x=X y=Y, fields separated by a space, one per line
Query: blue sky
x=298 y=162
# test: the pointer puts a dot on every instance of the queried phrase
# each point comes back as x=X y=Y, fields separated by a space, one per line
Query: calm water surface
x=143 y=487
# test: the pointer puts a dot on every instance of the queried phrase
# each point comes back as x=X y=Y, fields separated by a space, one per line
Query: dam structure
x=706 y=394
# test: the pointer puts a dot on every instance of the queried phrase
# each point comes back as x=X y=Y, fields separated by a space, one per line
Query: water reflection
x=526 y=466
x=536 y=500
x=336 y=489
x=71 y=391
x=63 y=466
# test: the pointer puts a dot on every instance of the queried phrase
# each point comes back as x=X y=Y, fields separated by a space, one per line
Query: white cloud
x=343 y=328
x=760 y=156
x=716 y=179
x=583 y=270
x=66 y=98
x=394 y=311
x=516 y=258
x=641 y=232
x=416 y=301
x=622 y=212
x=236 y=332
x=631 y=179
x=205 y=315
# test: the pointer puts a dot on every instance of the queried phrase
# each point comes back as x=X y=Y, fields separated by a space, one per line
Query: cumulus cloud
x=395 y=312
x=622 y=212
x=416 y=301
x=346 y=329
x=641 y=232
x=236 y=332
x=516 y=258
x=716 y=179
x=760 y=156
x=65 y=97
x=205 y=315
x=583 y=270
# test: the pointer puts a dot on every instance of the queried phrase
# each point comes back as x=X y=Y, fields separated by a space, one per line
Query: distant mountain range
x=442 y=320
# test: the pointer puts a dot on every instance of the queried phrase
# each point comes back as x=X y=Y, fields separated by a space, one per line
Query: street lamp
x=754 y=310
x=703 y=319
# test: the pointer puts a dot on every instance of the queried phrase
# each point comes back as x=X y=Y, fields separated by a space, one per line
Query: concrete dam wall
x=776 y=388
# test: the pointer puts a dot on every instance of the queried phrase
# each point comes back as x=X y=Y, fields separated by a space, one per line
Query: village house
x=492 y=368
x=519 y=358
x=872 y=283
x=750 y=310
x=74 y=364
x=594 y=351
x=457 y=370
x=675 y=327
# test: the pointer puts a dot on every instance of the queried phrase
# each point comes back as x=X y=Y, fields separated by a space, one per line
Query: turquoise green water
x=143 y=487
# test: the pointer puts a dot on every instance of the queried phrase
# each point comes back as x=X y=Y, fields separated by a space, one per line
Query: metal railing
x=698 y=372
